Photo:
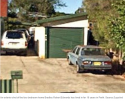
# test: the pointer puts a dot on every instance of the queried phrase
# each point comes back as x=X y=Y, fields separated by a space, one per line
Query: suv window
x=74 y=49
x=14 y=35
x=25 y=34
x=77 y=52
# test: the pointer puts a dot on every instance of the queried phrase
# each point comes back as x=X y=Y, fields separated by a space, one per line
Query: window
x=74 y=49
x=93 y=51
x=77 y=52
x=82 y=52
x=26 y=34
x=14 y=35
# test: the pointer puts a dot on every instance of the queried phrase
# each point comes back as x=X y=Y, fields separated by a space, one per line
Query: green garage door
x=63 y=38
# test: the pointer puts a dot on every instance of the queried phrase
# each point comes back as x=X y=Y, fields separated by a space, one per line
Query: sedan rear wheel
x=78 y=69
x=109 y=72
x=69 y=62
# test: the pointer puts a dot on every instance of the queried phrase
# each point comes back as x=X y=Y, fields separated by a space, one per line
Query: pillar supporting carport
x=40 y=41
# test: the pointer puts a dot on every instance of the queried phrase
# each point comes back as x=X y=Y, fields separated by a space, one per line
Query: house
x=54 y=35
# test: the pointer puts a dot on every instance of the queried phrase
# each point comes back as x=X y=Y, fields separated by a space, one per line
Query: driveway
x=55 y=76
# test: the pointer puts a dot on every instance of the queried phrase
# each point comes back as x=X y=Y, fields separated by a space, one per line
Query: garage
x=57 y=34
x=62 y=39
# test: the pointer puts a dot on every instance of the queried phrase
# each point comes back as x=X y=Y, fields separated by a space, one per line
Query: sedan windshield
x=93 y=51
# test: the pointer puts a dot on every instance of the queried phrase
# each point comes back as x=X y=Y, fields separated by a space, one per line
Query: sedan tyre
x=69 y=62
x=78 y=69
x=109 y=72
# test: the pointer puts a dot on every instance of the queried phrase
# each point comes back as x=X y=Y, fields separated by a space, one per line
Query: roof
x=54 y=20
x=19 y=23
x=13 y=31
x=62 y=19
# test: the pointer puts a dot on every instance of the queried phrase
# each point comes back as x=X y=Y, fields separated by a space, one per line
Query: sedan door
x=72 y=55
x=75 y=55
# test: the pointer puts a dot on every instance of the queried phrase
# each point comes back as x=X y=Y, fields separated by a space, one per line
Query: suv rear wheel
x=24 y=53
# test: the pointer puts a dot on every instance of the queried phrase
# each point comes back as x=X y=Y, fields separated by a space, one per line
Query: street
x=54 y=75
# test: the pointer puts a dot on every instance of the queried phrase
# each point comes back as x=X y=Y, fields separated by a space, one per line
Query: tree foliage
x=117 y=25
x=99 y=12
x=79 y=10
x=41 y=7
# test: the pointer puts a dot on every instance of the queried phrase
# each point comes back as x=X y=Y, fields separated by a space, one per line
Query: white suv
x=14 y=41
x=27 y=34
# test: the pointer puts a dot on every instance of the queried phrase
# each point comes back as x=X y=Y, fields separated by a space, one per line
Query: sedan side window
x=77 y=52
x=74 y=49
x=82 y=52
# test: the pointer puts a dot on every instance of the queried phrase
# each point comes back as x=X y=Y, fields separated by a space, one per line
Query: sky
x=72 y=6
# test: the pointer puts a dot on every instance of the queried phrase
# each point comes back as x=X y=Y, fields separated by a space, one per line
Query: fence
x=6 y=86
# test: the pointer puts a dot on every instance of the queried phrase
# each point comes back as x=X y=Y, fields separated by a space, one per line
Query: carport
x=54 y=35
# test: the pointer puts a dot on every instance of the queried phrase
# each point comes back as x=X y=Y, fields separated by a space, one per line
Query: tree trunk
x=120 y=57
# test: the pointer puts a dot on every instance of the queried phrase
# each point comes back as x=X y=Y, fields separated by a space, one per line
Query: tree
x=99 y=12
x=117 y=25
x=79 y=10
x=25 y=7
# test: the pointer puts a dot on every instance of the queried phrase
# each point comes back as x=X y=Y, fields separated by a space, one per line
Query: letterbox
x=17 y=74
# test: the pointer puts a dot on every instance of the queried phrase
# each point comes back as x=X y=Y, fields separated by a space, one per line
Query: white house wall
x=85 y=35
x=81 y=23
x=40 y=37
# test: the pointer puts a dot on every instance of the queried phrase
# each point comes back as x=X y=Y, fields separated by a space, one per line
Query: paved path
x=55 y=75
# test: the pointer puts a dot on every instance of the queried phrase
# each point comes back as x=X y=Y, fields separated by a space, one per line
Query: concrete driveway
x=55 y=75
